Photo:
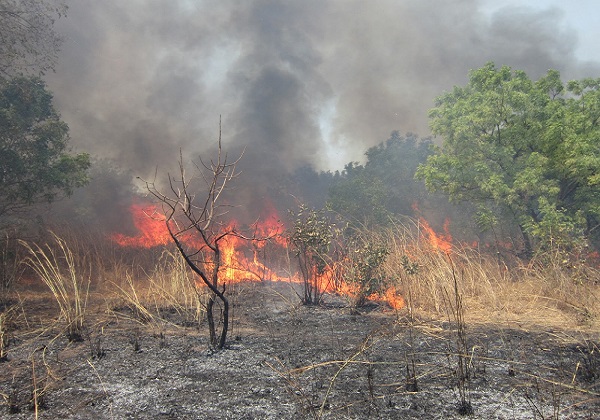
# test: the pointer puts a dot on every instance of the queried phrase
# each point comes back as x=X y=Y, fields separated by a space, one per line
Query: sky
x=295 y=83
x=580 y=15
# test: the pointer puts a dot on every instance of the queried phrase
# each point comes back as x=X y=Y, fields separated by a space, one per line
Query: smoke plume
x=296 y=82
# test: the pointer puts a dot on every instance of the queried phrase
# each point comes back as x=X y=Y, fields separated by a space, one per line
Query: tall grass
x=170 y=287
x=547 y=289
x=67 y=279
x=173 y=284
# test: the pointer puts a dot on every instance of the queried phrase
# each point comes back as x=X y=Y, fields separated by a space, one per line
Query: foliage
x=367 y=257
x=306 y=185
x=530 y=148
x=28 y=42
x=410 y=267
x=311 y=237
x=359 y=196
x=384 y=185
x=34 y=157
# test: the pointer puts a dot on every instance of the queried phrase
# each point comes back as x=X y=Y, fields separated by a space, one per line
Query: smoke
x=296 y=82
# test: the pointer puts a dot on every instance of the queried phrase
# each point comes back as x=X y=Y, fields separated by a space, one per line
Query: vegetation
x=385 y=185
x=311 y=238
x=34 y=155
x=464 y=312
x=66 y=278
x=194 y=218
x=29 y=44
x=528 y=148
x=366 y=254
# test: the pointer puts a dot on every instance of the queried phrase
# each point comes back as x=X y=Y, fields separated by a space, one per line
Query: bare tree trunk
x=188 y=214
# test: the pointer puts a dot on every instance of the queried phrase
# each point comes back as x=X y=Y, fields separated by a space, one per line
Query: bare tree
x=28 y=41
x=195 y=220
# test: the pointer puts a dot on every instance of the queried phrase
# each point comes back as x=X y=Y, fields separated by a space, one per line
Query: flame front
x=241 y=259
x=438 y=241
x=150 y=223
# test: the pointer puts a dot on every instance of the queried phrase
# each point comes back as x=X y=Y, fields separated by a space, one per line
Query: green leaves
x=35 y=164
x=532 y=148
x=311 y=235
x=384 y=185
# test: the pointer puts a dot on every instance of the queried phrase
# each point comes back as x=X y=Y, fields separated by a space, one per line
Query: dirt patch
x=285 y=360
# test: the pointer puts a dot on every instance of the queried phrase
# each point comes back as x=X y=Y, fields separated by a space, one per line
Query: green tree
x=359 y=196
x=385 y=185
x=395 y=162
x=35 y=162
x=529 y=148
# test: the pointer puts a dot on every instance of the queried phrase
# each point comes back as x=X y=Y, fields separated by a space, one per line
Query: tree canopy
x=385 y=185
x=35 y=162
x=529 y=148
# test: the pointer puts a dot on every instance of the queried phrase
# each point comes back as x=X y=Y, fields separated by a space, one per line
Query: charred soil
x=284 y=360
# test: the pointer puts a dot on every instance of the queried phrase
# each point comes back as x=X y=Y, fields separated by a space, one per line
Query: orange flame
x=443 y=242
x=241 y=258
x=150 y=224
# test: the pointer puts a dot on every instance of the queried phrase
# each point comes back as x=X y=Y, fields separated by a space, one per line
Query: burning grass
x=494 y=288
x=436 y=307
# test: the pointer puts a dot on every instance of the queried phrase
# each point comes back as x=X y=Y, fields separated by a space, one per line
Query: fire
x=243 y=259
x=438 y=241
x=237 y=265
x=394 y=299
x=150 y=224
x=270 y=227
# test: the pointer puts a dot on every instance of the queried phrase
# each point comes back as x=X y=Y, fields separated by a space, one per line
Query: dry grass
x=67 y=279
x=493 y=288
x=169 y=288
x=174 y=285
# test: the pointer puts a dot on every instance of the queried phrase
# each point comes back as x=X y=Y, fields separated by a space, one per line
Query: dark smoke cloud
x=138 y=80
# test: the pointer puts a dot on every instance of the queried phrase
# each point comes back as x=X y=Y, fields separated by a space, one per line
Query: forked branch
x=193 y=216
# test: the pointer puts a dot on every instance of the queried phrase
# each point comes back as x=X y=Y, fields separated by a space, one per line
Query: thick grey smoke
x=296 y=82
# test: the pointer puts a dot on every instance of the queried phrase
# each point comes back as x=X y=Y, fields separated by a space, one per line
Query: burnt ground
x=287 y=361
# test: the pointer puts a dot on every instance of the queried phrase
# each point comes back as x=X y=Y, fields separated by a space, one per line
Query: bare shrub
x=195 y=218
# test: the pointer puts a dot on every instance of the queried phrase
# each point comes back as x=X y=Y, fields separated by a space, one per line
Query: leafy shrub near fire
x=364 y=269
x=332 y=258
x=311 y=237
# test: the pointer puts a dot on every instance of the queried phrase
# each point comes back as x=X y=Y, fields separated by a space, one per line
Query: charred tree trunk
x=187 y=214
x=217 y=342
